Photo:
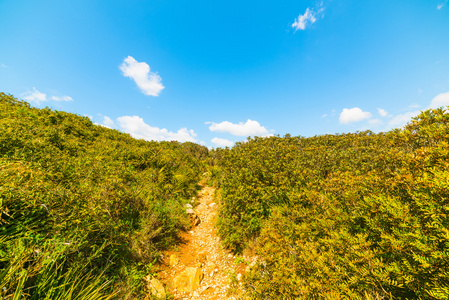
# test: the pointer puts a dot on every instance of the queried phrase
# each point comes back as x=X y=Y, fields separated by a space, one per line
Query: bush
x=85 y=210
x=357 y=216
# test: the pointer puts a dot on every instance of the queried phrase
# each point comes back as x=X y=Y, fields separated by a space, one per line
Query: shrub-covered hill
x=85 y=210
x=351 y=216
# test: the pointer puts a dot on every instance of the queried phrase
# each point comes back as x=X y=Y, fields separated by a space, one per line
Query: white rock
x=155 y=287
x=206 y=287
x=189 y=280
x=239 y=276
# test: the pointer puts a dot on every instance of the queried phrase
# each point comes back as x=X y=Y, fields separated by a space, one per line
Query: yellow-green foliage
x=85 y=210
x=352 y=216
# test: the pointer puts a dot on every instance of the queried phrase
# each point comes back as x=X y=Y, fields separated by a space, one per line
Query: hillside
x=351 y=216
x=85 y=210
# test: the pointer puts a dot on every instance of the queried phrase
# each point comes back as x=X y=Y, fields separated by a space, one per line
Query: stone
x=155 y=287
x=211 y=217
x=174 y=260
x=187 y=205
x=193 y=217
x=212 y=205
x=211 y=266
x=239 y=277
x=205 y=288
x=202 y=257
x=189 y=280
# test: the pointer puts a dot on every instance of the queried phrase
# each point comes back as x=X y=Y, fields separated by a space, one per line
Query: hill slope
x=351 y=216
x=85 y=210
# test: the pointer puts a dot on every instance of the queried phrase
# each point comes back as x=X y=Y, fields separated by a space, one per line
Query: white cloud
x=63 y=98
x=353 y=115
x=382 y=112
x=37 y=97
x=148 y=82
x=402 y=119
x=250 y=128
x=442 y=4
x=375 y=122
x=222 y=142
x=308 y=18
x=302 y=20
x=34 y=96
x=324 y=116
x=3 y=66
x=135 y=126
x=107 y=122
x=414 y=105
x=440 y=100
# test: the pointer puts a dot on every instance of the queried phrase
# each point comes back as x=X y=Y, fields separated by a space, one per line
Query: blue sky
x=216 y=72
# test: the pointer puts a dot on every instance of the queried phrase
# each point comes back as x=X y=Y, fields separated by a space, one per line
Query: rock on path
x=200 y=268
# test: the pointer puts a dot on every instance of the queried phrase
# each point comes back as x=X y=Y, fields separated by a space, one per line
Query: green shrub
x=352 y=216
x=85 y=210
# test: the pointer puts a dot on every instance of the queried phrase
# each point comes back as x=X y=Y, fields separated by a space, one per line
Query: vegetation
x=85 y=210
x=352 y=216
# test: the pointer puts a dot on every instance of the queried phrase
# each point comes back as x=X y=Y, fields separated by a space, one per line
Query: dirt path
x=202 y=249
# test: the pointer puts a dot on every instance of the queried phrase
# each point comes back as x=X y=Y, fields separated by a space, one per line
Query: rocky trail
x=200 y=268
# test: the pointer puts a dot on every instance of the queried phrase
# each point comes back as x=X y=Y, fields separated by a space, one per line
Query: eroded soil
x=201 y=247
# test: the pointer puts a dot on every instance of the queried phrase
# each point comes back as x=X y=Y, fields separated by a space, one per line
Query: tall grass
x=85 y=210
